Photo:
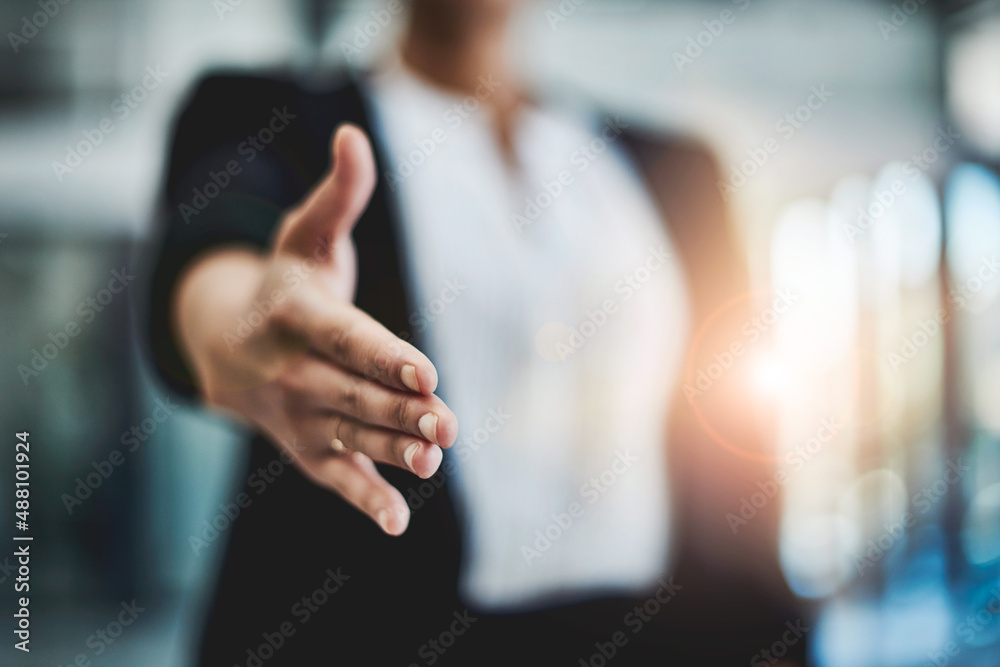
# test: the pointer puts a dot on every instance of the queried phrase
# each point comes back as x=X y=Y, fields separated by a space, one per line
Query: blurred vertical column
x=813 y=345
x=972 y=216
x=869 y=352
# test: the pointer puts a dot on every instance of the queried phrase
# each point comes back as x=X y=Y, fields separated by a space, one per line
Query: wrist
x=211 y=297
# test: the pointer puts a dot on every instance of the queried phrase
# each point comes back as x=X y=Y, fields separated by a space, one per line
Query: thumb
x=328 y=214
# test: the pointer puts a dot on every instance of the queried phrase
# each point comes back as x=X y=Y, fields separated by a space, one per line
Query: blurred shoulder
x=226 y=109
x=660 y=151
x=227 y=96
x=672 y=154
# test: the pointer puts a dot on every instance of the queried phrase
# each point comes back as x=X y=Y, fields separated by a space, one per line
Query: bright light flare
x=771 y=374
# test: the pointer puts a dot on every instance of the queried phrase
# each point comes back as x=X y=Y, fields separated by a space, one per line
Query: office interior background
x=860 y=143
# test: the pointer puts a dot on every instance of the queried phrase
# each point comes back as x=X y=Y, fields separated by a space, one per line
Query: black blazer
x=244 y=149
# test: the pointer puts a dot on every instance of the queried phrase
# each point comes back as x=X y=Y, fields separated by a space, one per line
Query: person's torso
x=548 y=296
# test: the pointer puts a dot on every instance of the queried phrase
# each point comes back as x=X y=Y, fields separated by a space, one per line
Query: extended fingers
x=383 y=445
x=356 y=341
x=334 y=388
x=356 y=480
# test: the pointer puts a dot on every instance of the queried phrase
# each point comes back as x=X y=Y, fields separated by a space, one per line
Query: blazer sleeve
x=224 y=185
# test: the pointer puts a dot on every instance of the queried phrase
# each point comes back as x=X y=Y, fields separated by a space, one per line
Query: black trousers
x=308 y=580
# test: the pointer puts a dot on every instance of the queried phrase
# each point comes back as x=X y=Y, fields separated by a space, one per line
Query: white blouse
x=548 y=296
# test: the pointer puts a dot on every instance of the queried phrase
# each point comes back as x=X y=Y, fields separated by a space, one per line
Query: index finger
x=353 y=339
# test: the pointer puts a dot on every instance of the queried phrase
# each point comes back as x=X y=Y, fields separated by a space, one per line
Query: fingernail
x=403 y=517
x=432 y=460
x=409 y=377
x=428 y=426
x=410 y=452
x=383 y=519
x=338 y=445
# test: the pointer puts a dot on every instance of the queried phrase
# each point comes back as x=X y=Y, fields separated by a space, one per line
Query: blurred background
x=860 y=142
